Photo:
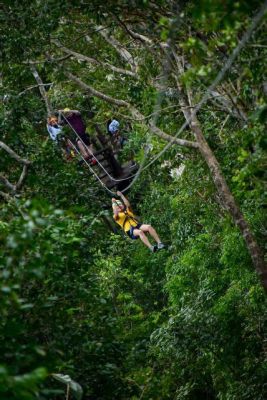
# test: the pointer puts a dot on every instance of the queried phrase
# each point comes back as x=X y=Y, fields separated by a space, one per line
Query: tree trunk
x=229 y=201
x=219 y=180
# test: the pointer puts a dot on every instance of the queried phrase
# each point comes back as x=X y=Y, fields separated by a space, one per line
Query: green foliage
x=22 y=387
x=92 y=308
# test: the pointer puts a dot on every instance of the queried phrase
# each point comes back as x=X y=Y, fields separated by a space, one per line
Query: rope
x=157 y=107
x=92 y=154
x=90 y=168
x=95 y=174
x=204 y=99
x=216 y=81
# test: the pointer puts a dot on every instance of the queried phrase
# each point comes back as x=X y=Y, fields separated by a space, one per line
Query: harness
x=129 y=218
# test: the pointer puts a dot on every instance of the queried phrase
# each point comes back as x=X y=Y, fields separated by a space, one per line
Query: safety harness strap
x=128 y=218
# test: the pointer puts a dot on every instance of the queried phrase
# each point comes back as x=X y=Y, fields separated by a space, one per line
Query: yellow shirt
x=127 y=219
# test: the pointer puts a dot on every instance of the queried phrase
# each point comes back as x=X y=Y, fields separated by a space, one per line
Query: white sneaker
x=161 y=246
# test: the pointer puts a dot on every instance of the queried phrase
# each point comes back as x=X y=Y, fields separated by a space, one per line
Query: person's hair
x=52 y=118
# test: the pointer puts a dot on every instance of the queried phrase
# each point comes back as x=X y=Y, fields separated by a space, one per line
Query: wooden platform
x=106 y=155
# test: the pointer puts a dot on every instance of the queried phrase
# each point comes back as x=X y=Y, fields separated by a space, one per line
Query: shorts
x=130 y=232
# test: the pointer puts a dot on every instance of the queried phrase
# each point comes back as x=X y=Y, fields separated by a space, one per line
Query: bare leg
x=141 y=234
x=91 y=148
x=83 y=150
x=151 y=231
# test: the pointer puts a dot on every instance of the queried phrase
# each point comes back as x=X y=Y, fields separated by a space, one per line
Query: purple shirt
x=76 y=121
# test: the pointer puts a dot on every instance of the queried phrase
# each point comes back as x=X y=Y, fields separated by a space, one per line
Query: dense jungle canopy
x=86 y=312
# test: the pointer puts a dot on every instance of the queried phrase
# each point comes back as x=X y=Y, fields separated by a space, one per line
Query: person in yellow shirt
x=124 y=216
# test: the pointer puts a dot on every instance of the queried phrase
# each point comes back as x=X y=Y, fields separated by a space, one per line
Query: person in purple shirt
x=74 y=119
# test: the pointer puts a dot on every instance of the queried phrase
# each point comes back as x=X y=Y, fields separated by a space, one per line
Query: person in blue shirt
x=55 y=132
x=113 y=130
x=53 y=128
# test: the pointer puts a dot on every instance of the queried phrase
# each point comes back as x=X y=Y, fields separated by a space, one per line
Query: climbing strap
x=129 y=218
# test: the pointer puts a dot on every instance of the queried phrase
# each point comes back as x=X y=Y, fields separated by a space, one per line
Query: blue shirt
x=54 y=131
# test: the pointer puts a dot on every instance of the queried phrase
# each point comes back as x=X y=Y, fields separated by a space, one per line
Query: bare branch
x=49 y=60
x=8 y=184
x=223 y=125
x=96 y=93
x=93 y=61
x=33 y=87
x=169 y=138
x=124 y=54
x=148 y=43
x=42 y=90
x=237 y=108
x=22 y=177
x=133 y=34
x=13 y=154
x=6 y=196
x=140 y=37
x=158 y=132
x=135 y=113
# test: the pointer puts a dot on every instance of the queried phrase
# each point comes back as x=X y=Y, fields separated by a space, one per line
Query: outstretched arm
x=126 y=201
x=115 y=212
x=62 y=112
x=69 y=111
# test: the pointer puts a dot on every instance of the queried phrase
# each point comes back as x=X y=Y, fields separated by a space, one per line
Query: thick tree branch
x=8 y=184
x=229 y=201
x=228 y=105
x=140 y=37
x=135 y=113
x=42 y=90
x=124 y=54
x=96 y=93
x=133 y=34
x=13 y=154
x=22 y=177
x=6 y=196
x=220 y=183
x=93 y=61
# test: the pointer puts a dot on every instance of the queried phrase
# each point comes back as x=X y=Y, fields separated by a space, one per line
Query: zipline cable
x=90 y=168
x=157 y=108
x=95 y=174
x=204 y=99
x=92 y=154
x=147 y=147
